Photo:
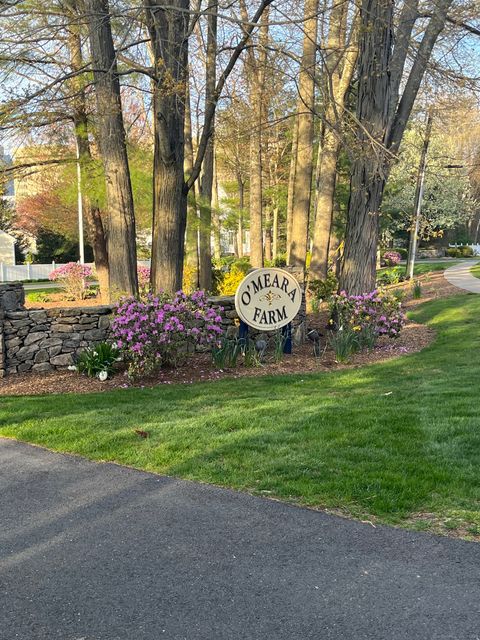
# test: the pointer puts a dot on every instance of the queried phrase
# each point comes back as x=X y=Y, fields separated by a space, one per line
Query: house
x=7 y=248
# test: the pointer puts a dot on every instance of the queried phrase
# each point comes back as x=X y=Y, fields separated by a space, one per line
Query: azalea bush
x=164 y=330
x=143 y=280
x=391 y=258
x=74 y=279
x=377 y=312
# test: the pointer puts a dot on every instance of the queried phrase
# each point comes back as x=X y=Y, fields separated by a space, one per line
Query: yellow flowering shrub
x=230 y=281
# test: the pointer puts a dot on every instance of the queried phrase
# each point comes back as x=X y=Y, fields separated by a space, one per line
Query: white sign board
x=268 y=299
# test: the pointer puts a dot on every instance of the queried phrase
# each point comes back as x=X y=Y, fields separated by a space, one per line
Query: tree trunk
x=268 y=234
x=206 y=184
x=96 y=232
x=241 y=208
x=275 y=233
x=191 y=236
x=168 y=30
x=216 y=222
x=324 y=202
x=339 y=67
x=291 y=185
x=122 y=253
x=304 y=163
x=382 y=130
x=369 y=170
x=257 y=85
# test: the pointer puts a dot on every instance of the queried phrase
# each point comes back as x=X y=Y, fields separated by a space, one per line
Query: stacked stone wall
x=43 y=340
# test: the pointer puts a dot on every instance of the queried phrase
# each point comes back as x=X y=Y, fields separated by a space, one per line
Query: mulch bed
x=413 y=338
x=59 y=300
x=200 y=368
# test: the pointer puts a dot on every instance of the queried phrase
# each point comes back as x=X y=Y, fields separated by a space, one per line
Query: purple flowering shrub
x=162 y=330
x=143 y=280
x=391 y=258
x=377 y=313
x=73 y=277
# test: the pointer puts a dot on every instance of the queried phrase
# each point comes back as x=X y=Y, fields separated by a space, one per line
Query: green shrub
x=98 y=361
x=367 y=338
x=323 y=289
x=416 y=290
x=225 y=353
x=453 y=253
x=460 y=252
x=344 y=342
x=391 y=276
x=38 y=296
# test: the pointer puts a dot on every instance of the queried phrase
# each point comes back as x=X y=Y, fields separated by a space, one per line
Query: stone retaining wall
x=47 y=339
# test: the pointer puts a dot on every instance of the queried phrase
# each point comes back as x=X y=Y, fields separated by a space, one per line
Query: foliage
x=225 y=353
x=391 y=258
x=323 y=289
x=143 y=280
x=189 y=283
x=344 y=343
x=379 y=310
x=228 y=285
x=73 y=277
x=98 y=361
x=460 y=252
x=162 y=330
x=58 y=247
x=38 y=296
x=416 y=290
x=279 y=341
x=390 y=276
x=448 y=200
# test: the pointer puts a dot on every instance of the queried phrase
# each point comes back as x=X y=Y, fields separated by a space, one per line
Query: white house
x=7 y=248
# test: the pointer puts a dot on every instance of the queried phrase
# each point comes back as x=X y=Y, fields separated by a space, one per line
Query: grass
x=475 y=270
x=420 y=267
x=397 y=442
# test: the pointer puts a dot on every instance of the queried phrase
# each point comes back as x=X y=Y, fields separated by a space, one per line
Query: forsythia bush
x=228 y=285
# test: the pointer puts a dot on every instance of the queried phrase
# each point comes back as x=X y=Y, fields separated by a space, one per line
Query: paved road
x=101 y=552
x=460 y=276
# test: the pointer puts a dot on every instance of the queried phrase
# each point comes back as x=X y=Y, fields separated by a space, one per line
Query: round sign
x=268 y=299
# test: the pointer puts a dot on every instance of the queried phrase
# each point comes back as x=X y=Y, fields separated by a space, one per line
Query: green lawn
x=475 y=270
x=41 y=294
x=421 y=267
x=386 y=441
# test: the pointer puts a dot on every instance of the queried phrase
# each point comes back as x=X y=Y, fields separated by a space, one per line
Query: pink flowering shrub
x=161 y=330
x=73 y=277
x=391 y=258
x=143 y=280
x=377 y=312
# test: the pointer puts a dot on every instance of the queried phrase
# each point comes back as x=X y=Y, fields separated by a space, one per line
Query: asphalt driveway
x=100 y=552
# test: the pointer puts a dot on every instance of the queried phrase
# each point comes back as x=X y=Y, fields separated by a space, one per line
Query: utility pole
x=412 y=247
x=80 y=209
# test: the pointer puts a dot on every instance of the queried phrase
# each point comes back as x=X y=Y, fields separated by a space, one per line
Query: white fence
x=12 y=273
x=20 y=272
